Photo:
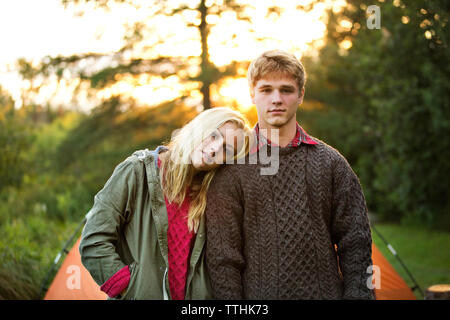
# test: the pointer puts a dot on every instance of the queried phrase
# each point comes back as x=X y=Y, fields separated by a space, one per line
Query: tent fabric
x=73 y=281
x=392 y=286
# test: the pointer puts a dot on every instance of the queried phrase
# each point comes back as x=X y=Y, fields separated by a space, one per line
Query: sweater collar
x=300 y=137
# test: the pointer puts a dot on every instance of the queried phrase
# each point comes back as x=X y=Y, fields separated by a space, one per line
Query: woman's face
x=217 y=148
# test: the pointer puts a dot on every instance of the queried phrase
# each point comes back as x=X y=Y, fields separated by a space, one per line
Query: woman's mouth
x=206 y=158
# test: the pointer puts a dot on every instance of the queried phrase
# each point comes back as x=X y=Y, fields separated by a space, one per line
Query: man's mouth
x=274 y=111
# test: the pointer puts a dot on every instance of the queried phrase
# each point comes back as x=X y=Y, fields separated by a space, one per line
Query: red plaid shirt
x=300 y=137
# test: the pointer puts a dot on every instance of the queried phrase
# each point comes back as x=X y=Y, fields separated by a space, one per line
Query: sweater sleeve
x=117 y=283
x=351 y=231
x=224 y=245
x=112 y=206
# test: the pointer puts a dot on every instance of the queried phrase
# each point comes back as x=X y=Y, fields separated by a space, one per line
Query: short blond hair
x=276 y=61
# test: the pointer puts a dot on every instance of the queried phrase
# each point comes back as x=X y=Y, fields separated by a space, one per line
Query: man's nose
x=276 y=97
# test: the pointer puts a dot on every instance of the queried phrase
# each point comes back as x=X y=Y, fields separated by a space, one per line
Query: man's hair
x=276 y=61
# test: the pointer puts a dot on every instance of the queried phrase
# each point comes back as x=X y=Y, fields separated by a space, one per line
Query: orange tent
x=392 y=286
x=73 y=281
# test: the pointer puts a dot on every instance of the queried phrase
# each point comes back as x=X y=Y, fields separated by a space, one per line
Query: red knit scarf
x=179 y=241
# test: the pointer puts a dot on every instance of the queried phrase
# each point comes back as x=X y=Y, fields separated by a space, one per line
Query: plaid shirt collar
x=300 y=137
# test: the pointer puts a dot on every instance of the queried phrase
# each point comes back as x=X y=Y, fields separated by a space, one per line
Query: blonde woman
x=145 y=235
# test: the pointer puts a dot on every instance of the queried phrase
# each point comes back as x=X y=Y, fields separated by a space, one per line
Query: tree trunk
x=205 y=64
x=438 y=292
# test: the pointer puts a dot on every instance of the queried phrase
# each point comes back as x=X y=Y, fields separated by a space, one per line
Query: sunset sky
x=34 y=29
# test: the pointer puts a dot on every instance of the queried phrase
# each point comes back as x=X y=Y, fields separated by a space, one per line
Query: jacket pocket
x=130 y=292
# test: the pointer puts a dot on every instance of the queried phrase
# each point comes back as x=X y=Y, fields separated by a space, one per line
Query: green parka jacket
x=127 y=225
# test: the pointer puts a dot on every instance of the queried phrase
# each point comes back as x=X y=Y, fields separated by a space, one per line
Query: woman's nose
x=214 y=147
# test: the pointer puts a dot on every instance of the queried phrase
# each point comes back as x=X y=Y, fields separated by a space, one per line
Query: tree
x=15 y=137
x=141 y=53
x=388 y=90
x=118 y=124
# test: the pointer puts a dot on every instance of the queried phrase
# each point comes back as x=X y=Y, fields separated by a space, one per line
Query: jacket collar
x=150 y=159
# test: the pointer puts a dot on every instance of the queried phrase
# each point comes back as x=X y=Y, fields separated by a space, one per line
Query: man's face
x=277 y=98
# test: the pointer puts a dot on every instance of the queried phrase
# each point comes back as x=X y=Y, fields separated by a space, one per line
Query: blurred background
x=85 y=83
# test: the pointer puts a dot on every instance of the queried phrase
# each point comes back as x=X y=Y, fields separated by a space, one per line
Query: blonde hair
x=177 y=172
x=276 y=61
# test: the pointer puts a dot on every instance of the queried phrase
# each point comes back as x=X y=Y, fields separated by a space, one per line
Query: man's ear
x=301 y=96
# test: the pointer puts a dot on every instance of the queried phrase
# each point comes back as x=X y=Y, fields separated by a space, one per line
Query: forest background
x=377 y=90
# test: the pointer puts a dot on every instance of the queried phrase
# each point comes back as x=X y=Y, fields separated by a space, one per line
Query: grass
x=28 y=246
x=425 y=253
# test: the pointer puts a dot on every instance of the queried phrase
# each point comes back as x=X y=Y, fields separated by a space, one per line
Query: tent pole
x=392 y=250
x=63 y=251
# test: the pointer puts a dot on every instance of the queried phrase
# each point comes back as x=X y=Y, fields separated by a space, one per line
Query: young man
x=301 y=233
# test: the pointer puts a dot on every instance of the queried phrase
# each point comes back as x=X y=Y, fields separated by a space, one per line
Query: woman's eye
x=215 y=135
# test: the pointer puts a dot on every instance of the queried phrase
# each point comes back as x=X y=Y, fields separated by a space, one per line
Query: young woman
x=145 y=235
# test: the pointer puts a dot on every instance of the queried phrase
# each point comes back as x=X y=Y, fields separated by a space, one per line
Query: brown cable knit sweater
x=274 y=236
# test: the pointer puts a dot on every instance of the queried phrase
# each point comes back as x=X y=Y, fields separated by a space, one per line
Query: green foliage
x=15 y=137
x=71 y=158
x=388 y=105
x=383 y=103
x=30 y=239
x=93 y=148
x=35 y=211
